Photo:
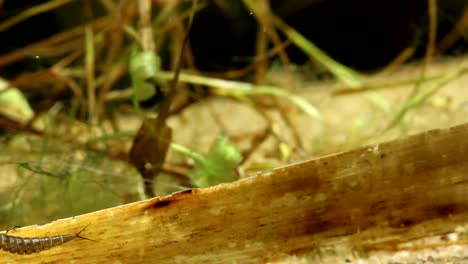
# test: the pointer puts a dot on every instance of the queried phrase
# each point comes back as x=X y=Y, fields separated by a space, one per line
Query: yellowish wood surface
x=404 y=189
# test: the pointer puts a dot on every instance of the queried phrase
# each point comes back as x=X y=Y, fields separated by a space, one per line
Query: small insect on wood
x=29 y=245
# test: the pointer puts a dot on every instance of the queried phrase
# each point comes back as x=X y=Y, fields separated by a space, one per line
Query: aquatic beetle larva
x=29 y=245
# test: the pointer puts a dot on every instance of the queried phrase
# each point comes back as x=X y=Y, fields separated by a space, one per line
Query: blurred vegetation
x=88 y=112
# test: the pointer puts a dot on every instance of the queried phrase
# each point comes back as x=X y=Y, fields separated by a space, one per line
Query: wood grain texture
x=404 y=189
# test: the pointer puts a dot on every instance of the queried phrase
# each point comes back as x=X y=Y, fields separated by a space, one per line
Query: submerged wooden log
x=400 y=190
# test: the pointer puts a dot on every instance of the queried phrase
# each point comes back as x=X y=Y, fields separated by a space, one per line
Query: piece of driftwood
x=396 y=191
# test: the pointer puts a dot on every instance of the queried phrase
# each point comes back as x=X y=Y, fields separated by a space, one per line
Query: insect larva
x=29 y=245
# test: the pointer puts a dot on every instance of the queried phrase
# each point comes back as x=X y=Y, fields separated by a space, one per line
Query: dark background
x=363 y=34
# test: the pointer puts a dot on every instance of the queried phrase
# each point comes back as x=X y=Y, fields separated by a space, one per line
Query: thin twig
x=460 y=28
x=90 y=74
x=263 y=13
x=146 y=31
x=33 y=11
x=75 y=34
x=116 y=39
x=432 y=13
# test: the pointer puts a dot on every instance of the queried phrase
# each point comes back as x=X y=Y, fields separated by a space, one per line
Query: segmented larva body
x=29 y=245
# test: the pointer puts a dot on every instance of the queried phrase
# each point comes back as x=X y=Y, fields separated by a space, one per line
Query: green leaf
x=341 y=72
x=301 y=102
x=218 y=165
x=13 y=104
x=239 y=89
x=424 y=94
x=143 y=68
